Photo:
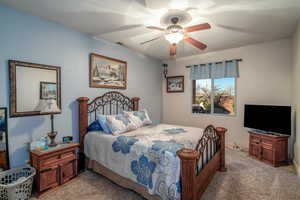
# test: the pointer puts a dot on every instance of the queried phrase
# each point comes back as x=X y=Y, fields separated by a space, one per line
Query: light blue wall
x=31 y=39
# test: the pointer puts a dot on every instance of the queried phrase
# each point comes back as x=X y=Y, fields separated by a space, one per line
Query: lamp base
x=52 y=136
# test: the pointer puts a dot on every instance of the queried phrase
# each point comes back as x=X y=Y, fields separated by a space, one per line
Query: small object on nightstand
x=67 y=139
x=54 y=166
x=40 y=144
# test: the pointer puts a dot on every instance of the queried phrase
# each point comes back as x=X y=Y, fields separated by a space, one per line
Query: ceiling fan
x=174 y=33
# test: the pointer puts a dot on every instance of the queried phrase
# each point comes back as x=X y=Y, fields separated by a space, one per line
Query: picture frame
x=106 y=72
x=24 y=82
x=4 y=154
x=48 y=90
x=175 y=84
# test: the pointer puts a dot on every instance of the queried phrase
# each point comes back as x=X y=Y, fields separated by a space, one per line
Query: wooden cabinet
x=269 y=148
x=55 y=166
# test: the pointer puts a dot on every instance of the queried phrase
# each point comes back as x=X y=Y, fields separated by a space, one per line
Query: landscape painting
x=48 y=90
x=107 y=72
x=175 y=84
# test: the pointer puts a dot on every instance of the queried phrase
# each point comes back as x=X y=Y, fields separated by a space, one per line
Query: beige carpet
x=246 y=179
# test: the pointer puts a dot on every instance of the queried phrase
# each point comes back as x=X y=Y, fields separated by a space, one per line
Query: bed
x=157 y=161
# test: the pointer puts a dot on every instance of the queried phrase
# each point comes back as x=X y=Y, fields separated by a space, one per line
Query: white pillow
x=140 y=118
x=120 y=123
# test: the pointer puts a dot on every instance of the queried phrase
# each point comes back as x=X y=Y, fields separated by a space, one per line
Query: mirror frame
x=6 y=137
x=13 y=90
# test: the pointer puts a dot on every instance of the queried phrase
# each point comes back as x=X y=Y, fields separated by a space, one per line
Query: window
x=220 y=91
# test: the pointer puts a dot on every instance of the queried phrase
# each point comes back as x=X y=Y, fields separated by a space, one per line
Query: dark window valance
x=225 y=69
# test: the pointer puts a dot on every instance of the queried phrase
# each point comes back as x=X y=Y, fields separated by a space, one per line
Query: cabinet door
x=255 y=150
x=281 y=150
x=48 y=178
x=255 y=146
x=68 y=171
x=267 y=154
x=267 y=150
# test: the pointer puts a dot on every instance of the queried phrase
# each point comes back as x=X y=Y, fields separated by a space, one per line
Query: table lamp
x=49 y=106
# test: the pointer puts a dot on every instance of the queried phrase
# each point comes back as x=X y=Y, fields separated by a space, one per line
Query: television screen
x=268 y=118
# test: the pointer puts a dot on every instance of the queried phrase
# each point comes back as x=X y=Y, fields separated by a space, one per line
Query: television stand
x=271 y=148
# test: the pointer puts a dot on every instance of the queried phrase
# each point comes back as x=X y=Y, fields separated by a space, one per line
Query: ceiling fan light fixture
x=174 y=38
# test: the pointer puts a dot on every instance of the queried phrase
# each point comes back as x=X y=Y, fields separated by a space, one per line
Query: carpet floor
x=246 y=179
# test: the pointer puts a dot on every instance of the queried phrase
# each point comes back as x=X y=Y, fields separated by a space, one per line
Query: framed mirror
x=4 y=155
x=31 y=85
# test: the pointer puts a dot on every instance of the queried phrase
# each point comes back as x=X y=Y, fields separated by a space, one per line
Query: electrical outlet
x=236 y=146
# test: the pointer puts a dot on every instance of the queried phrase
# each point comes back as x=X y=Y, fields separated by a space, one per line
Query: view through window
x=219 y=91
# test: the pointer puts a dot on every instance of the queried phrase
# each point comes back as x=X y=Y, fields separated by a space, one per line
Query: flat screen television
x=267 y=118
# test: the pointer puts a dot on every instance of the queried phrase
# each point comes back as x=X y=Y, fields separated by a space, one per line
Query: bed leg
x=221 y=132
x=188 y=158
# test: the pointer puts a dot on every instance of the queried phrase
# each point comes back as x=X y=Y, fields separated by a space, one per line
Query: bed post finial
x=221 y=133
x=83 y=120
x=188 y=162
x=135 y=103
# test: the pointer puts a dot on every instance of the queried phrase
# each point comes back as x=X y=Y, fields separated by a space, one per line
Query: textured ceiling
x=234 y=22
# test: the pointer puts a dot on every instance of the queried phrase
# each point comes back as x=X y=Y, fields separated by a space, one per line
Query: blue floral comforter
x=146 y=156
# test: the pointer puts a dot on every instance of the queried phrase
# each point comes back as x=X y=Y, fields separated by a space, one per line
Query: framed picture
x=29 y=84
x=175 y=84
x=48 y=90
x=4 y=155
x=107 y=72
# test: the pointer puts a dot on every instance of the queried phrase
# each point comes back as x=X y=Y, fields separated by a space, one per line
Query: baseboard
x=297 y=168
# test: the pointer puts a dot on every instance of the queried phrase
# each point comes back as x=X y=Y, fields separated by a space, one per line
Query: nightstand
x=54 y=166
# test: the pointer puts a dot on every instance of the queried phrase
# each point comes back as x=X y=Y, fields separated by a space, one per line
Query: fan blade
x=197 y=27
x=196 y=43
x=173 y=50
x=150 y=40
x=155 y=28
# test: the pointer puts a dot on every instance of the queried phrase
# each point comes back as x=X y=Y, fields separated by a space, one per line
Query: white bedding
x=146 y=155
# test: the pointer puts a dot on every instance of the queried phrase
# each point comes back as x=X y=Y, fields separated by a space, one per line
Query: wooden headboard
x=108 y=104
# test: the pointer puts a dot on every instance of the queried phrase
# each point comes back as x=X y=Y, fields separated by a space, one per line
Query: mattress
x=146 y=156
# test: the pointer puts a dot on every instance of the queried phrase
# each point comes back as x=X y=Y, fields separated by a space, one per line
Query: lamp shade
x=49 y=106
x=40 y=106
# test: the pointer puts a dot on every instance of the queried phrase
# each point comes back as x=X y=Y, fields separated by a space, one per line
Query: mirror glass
x=4 y=160
x=31 y=86
x=34 y=84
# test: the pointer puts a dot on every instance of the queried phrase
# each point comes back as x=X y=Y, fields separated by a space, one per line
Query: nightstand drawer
x=68 y=155
x=49 y=161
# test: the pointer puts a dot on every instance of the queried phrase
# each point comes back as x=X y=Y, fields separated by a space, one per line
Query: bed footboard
x=199 y=165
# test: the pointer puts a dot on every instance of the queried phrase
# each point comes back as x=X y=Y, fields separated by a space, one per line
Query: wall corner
x=297 y=168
